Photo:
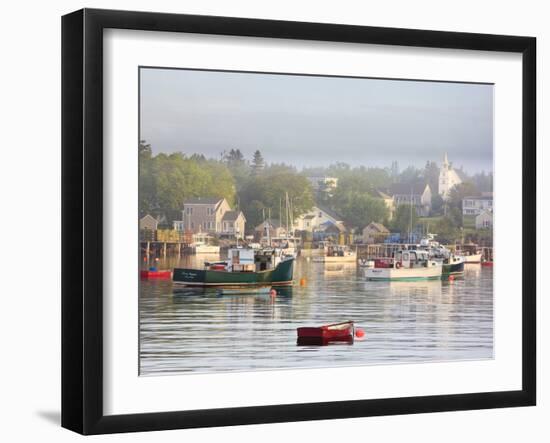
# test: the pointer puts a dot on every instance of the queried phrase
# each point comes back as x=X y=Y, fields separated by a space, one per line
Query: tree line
x=260 y=189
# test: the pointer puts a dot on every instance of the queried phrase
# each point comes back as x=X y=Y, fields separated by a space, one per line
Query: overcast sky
x=315 y=121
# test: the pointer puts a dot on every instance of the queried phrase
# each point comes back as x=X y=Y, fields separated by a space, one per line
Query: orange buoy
x=359 y=333
x=451 y=277
x=273 y=293
x=303 y=282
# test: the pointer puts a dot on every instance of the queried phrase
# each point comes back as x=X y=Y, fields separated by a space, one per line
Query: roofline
x=217 y=202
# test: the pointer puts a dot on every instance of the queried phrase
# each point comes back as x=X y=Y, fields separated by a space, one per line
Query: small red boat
x=337 y=331
x=146 y=274
x=487 y=263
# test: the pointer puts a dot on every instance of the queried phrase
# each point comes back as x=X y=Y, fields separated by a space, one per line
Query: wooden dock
x=163 y=242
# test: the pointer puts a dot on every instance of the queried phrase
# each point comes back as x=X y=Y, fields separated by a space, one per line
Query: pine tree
x=257 y=162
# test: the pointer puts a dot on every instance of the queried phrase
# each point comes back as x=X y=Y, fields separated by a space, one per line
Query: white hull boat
x=474 y=258
x=206 y=249
x=407 y=265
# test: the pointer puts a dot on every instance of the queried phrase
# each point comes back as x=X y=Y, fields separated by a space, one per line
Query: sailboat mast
x=411 y=220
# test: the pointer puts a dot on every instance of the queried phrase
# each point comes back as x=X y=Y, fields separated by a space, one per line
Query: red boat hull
x=338 y=331
x=157 y=275
x=317 y=341
x=486 y=263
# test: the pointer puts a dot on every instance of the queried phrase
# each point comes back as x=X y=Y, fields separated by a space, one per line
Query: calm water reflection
x=198 y=331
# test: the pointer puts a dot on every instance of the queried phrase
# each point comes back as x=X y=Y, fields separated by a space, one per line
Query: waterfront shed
x=148 y=222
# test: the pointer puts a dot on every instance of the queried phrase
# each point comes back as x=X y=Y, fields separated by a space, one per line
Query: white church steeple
x=448 y=178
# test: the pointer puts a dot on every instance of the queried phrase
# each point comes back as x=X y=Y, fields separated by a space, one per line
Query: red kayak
x=158 y=275
x=336 y=331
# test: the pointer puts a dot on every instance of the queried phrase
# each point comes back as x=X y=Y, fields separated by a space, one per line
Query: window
x=189 y=211
x=209 y=211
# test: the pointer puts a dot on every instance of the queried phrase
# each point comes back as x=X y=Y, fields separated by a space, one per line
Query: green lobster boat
x=454 y=265
x=244 y=268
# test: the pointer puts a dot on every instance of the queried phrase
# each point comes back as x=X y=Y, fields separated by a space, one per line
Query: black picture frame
x=82 y=217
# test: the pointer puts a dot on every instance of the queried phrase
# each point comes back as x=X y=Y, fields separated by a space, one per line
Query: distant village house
x=271 y=228
x=375 y=233
x=418 y=195
x=316 y=219
x=213 y=216
x=148 y=222
x=477 y=205
x=484 y=220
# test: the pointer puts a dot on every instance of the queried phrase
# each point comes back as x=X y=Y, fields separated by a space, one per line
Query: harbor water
x=194 y=330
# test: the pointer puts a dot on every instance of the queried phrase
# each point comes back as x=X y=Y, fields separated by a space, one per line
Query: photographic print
x=292 y=221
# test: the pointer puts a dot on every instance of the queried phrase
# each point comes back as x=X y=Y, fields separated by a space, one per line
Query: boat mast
x=411 y=220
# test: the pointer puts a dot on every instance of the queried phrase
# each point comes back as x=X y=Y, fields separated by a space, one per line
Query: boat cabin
x=411 y=259
x=248 y=260
x=337 y=251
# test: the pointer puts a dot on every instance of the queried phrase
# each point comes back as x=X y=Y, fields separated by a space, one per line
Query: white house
x=448 y=178
x=477 y=205
x=312 y=220
x=418 y=195
x=484 y=220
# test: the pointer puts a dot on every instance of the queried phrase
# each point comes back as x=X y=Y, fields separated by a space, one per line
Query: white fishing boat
x=203 y=248
x=337 y=254
x=202 y=244
x=407 y=265
x=473 y=258
x=470 y=252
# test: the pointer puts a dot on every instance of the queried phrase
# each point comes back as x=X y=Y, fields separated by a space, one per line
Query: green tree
x=404 y=218
x=146 y=186
x=459 y=192
x=431 y=176
x=362 y=209
x=411 y=176
x=446 y=230
x=258 y=162
x=166 y=181
x=437 y=203
x=268 y=192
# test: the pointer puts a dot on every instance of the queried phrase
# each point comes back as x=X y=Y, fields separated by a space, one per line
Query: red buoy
x=273 y=293
x=451 y=277
x=359 y=333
